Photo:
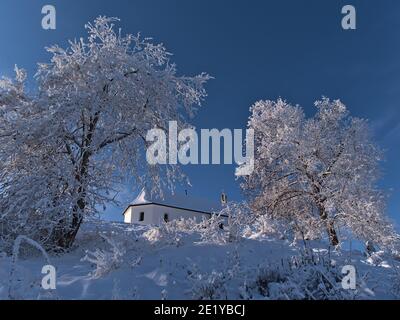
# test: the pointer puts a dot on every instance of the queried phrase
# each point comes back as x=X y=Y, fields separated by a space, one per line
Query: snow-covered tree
x=31 y=178
x=317 y=174
x=83 y=130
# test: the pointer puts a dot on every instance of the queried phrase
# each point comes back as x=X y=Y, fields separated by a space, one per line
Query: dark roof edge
x=168 y=206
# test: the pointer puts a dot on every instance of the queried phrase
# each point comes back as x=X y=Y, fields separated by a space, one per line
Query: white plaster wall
x=128 y=216
x=154 y=214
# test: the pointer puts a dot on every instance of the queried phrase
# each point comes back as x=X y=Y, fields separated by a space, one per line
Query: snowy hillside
x=117 y=261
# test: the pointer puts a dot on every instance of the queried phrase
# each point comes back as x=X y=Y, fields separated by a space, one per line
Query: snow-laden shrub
x=267 y=275
x=231 y=224
x=257 y=282
x=311 y=281
x=184 y=225
x=39 y=225
x=396 y=255
x=168 y=233
x=305 y=277
x=212 y=231
x=239 y=219
x=215 y=284
x=105 y=261
x=164 y=294
x=93 y=231
x=262 y=226
x=209 y=286
x=376 y=258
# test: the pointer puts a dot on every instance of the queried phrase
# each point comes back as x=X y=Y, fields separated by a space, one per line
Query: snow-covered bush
x=312 y=281
x=239 y=220
x=257 y=281
x=376 y=258
x=267 y=275
x=396 y=254
x=208 y=286
x=304 y=277
x=262 y=226
x=168 y=233
x=230 y=224
x=215 y=284
x=33 y=198
x=211 y=230
x=105 y=261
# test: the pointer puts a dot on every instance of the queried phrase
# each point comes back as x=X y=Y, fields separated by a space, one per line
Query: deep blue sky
x=255 y=50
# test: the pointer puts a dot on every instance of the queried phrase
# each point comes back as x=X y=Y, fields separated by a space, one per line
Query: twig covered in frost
x=15 y=256
x=105 y=261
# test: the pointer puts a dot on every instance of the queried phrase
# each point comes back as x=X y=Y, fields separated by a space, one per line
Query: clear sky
x=262 y=49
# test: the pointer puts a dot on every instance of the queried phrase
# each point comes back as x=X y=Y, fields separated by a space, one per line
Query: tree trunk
x=65 y=233
x=79 y=208
x=330 y=226
x=68 y=238
x=333 y=237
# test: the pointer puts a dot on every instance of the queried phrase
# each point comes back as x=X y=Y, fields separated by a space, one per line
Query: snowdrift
x=118 y=261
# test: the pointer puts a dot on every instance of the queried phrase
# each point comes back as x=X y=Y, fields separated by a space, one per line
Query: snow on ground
x=140 y=262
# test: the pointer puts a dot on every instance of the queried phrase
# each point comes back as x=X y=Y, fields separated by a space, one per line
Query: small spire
x=224 y=198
